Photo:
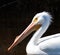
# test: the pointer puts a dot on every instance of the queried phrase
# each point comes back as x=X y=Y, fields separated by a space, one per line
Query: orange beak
x=24 y=34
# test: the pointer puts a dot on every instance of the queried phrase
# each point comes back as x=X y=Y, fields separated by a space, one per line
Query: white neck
x=40 y=32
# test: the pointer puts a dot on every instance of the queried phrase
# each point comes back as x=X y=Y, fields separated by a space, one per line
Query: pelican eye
x=35 y=19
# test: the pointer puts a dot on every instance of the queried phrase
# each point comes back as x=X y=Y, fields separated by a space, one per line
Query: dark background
x=15 y=15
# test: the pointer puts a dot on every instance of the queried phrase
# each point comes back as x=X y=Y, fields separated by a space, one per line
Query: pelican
x=49 y=45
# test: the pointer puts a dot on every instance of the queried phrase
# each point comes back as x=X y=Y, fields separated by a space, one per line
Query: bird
x=49 y=45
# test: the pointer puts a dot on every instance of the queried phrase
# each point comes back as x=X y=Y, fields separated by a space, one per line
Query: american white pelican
x=49 y=45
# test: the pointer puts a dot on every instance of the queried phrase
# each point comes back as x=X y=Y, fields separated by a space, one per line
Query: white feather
x=47 y=45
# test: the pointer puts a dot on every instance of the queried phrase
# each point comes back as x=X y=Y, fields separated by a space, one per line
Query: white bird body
x=49 y=45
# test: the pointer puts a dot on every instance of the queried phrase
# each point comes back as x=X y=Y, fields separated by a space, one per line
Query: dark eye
x=35 y=19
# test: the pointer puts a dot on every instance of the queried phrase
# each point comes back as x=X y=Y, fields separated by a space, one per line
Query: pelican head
x=38 y=20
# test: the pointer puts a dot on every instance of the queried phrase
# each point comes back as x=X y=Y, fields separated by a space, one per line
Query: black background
x=15 y=17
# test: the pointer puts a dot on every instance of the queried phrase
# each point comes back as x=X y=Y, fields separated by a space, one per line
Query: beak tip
x=11 y=46
x=8 y=49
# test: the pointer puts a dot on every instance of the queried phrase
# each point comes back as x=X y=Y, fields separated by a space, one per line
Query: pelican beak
x=24 y=34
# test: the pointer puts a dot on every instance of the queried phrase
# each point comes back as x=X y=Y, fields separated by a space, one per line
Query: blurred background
x=15 y=15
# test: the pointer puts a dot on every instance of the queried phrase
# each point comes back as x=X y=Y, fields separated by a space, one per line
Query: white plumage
x=49 y=45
